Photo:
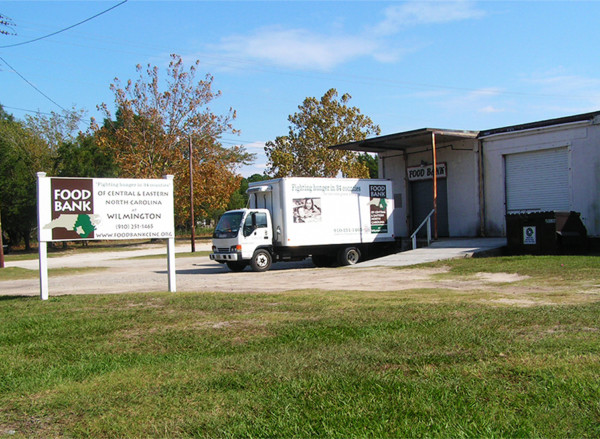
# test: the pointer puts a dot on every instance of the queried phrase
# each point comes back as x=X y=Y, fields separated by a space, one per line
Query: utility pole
x=192 y=198
x=1 y=245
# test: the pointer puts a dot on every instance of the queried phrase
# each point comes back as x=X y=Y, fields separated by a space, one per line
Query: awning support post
x=434 y=153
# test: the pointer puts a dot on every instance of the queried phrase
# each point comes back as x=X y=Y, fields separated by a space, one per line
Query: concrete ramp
x=447 y=248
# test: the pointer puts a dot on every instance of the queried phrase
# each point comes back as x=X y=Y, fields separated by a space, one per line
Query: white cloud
x=483 y=93
x=490 y=109
x=301 y=48
x=426 y=12
x=564 y=91
x=297 y=48
x=486 y=100
x=557 y=82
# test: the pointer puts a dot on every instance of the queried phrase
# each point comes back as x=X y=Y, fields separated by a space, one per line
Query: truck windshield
x=229 y=225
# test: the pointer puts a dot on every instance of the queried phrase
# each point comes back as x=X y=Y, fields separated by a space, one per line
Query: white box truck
x=332 y=220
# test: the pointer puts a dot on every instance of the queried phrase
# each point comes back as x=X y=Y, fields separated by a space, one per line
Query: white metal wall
x=581 y=139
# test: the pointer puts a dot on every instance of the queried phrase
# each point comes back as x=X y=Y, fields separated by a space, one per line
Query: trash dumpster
x=544 y=233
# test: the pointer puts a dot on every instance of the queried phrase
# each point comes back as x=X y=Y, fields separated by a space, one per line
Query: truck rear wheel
x=236 y=266
x=261 y=260
x=348 y=256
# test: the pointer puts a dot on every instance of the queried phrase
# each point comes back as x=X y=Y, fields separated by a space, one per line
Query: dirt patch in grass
x=449 y=281
x=500 y=277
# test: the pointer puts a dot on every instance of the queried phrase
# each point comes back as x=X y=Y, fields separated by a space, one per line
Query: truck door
x=256 y=231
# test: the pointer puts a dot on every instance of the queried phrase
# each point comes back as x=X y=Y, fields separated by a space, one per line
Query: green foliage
x=371 y=162
x=239 y=199
x=22 y=154
x=51 y=144
x=317 y=125
x=84 y=158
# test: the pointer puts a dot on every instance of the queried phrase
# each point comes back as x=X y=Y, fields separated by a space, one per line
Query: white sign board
x=71 y=209
x=105 y=208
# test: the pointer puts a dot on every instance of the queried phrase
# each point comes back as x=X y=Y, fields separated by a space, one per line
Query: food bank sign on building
x=105 y=208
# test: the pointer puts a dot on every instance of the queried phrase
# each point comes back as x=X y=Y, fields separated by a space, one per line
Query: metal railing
x=427 y=221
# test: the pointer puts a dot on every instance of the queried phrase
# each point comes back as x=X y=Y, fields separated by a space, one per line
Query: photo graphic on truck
x=307 y=210
x=378 y=208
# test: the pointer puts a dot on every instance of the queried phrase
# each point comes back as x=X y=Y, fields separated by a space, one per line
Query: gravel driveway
x=125 y=272
x=121 y=272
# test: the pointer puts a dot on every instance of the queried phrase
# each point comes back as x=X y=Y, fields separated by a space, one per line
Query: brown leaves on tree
x=151 y=134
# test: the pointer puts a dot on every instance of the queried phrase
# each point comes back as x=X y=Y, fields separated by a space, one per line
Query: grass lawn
x=13 y=273
x=308 y=363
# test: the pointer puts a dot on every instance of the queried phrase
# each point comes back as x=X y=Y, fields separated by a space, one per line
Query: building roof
x=422 y=137
x=402 y=141
x=541 y=124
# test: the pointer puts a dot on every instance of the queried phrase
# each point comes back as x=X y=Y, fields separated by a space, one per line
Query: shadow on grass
x=6 y=298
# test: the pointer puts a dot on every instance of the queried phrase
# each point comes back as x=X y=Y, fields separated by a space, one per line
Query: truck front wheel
x=261 y=260
x=348 y=256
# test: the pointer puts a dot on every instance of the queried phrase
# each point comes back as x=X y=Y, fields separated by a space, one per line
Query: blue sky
x=407 y=64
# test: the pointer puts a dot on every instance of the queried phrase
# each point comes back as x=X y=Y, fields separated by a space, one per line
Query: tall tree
x=6 y=25
x=22 y=154
x=56 y=128
x=153 y=129
x=318 y=124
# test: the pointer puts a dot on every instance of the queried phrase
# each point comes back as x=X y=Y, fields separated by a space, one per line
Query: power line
x=27 y=110
x=66 y=28
x=33 y=86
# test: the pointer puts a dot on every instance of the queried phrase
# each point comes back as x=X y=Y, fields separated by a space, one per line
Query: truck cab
x=244 y=237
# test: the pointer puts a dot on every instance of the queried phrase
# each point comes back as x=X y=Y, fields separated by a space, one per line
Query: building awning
x=407 y=139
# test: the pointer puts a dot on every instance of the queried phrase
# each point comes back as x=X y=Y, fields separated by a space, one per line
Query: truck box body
x=329 y=219
x=325 y=211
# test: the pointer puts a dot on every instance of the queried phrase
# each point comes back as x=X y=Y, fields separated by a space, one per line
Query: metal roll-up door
x=538 y=181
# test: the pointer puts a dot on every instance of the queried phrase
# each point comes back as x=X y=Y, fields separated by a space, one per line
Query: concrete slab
x=449 y=248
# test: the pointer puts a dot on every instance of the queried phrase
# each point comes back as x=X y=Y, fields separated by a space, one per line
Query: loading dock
x=550 y=165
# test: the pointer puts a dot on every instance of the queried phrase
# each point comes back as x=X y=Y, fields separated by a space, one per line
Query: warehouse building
x=471 y=180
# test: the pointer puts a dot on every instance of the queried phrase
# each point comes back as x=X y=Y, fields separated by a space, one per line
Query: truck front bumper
x=225 y=257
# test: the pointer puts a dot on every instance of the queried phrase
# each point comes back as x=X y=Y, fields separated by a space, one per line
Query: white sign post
x=71 y=209
x=42 y=246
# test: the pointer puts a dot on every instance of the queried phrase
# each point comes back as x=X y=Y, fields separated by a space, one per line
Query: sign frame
x=72 y=209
